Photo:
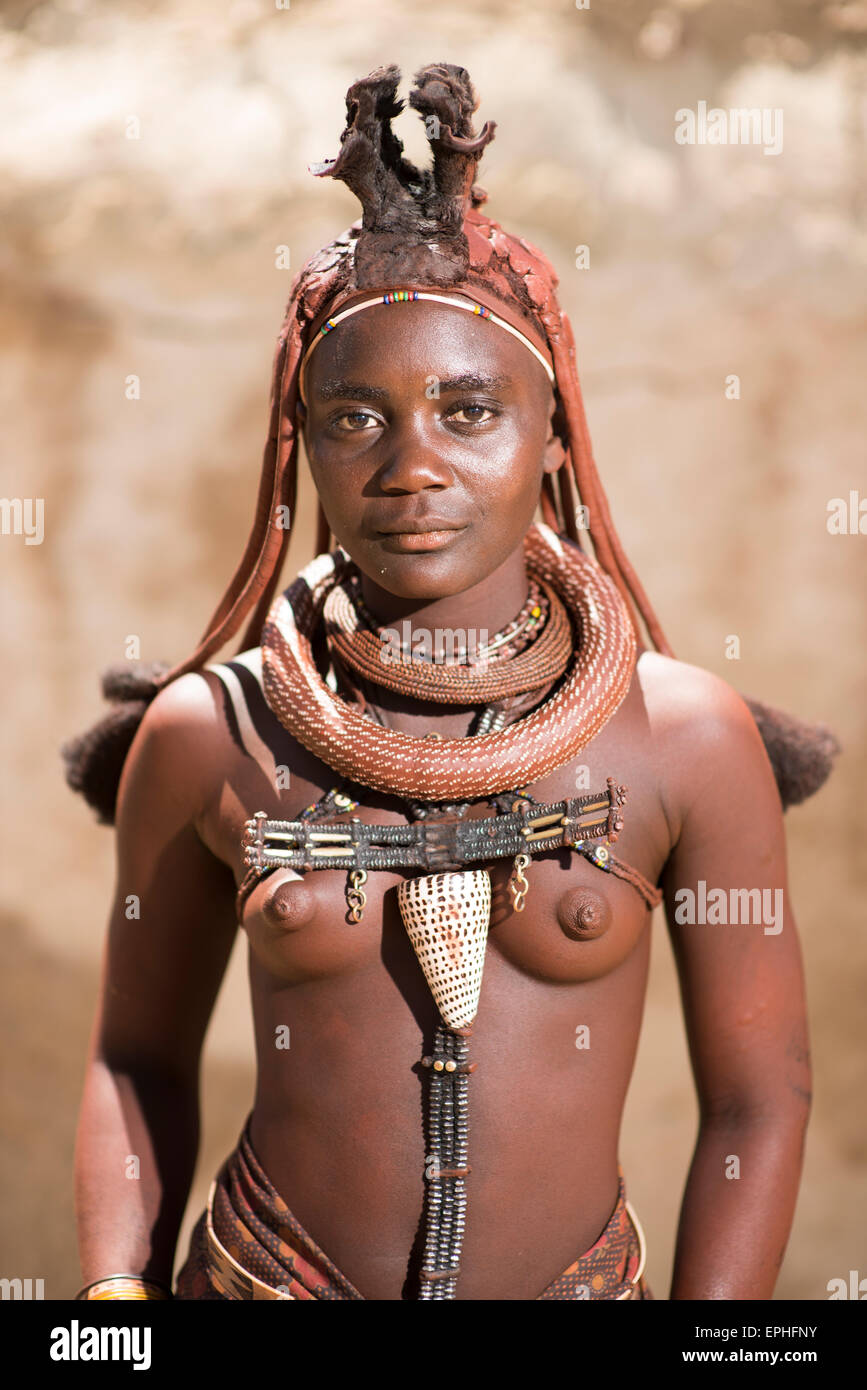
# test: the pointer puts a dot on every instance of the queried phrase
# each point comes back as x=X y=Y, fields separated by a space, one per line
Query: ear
x=555 y=449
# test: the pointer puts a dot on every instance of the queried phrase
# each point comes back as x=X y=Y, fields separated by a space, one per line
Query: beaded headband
x=408 y=296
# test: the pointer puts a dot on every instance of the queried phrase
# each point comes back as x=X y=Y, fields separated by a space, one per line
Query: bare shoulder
x=185 y=713
x=688 y=701
x=180 y=750
x=703 y=732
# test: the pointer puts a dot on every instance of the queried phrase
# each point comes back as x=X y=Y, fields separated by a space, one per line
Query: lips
x=421 y=526
x=422 y=533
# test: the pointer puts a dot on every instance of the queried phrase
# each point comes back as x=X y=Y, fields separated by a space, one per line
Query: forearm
x=136 y=1148
x=733 y=1229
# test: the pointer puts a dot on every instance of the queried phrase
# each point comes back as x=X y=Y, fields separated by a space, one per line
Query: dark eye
x=354 y=420
x=473 y=413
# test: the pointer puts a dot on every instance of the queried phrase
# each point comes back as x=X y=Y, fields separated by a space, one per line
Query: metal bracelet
x=119 y=1286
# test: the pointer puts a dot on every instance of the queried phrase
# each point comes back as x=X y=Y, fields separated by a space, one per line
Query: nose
x=415 y=459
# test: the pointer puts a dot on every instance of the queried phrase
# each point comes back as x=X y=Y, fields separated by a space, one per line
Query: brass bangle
x=124 y=1286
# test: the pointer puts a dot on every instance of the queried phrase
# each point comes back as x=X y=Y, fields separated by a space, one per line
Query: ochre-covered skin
x=337 y=1118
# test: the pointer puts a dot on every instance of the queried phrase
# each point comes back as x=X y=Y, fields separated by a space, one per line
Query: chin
x=422 y=576
x=417 y=574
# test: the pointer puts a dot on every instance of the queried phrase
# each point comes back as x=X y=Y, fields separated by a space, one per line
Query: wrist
x=124 y=1286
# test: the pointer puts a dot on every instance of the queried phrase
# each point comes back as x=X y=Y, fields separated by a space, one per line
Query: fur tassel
x=801 y=754
x=94 y=760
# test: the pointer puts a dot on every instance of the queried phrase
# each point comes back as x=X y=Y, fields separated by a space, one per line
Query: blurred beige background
x=156 y=256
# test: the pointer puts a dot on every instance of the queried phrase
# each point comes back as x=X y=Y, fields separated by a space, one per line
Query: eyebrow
x=338 y=388
x=475 y=381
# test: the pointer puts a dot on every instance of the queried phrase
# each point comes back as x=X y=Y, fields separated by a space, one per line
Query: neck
x=486 y=606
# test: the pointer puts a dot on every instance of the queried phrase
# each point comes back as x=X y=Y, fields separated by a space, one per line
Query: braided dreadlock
x=422 y=226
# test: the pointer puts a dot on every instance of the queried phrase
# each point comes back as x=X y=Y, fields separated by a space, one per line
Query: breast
x=299 y=927
x=568 y=932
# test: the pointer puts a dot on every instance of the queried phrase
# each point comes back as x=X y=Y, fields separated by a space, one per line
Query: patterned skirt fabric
x=248 y=1245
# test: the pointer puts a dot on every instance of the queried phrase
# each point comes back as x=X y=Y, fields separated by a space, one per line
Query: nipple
x=583 y=914
x=288 y=904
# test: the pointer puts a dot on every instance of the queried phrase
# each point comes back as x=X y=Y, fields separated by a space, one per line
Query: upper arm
x=741 y=981
x=172 y=921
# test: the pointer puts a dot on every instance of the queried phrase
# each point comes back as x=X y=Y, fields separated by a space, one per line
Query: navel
x=583 y=914
x=288 y=904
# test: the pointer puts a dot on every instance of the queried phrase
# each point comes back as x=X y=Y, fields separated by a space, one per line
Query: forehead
x=386 y=341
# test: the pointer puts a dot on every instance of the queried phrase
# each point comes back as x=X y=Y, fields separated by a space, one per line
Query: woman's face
x=426 y=432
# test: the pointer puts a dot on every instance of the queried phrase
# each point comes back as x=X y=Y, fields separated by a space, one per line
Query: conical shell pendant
x=447 y=917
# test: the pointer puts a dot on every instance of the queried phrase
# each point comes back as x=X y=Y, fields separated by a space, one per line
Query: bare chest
x=577 y=922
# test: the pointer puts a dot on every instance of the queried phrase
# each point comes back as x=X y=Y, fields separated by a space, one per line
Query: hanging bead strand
x=461 y=1153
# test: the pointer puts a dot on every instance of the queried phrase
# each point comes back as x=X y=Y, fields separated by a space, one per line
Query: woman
x=426 y=361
